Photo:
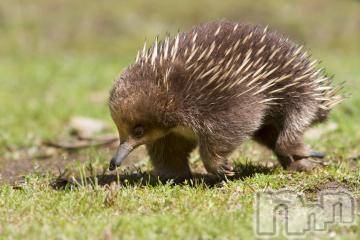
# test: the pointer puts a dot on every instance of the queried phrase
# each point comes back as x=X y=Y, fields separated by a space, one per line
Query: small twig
x=102 y=138
x=81 y=144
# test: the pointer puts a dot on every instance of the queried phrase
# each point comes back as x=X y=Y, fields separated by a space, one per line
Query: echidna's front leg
x=214 y=157
x=169 y=156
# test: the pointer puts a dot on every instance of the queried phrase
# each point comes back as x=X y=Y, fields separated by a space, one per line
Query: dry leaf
x=76 y=144
x=86 y=127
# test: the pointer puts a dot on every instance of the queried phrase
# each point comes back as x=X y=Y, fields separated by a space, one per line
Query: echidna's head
x=138 y=108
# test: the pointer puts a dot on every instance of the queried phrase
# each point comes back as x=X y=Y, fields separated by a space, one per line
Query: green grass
x=52 y=70
x=37 y=211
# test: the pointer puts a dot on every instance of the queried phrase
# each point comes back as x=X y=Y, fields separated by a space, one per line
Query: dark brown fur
x=162 y=94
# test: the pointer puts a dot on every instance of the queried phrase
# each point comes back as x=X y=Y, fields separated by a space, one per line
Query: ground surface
x=53 y=70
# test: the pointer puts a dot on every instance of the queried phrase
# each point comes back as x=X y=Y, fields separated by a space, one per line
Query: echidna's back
x=221 y=64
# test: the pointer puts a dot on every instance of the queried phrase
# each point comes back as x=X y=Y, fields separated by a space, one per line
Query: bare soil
x=13 y=169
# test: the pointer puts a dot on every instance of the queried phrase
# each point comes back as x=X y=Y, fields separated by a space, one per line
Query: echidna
x=215 y=86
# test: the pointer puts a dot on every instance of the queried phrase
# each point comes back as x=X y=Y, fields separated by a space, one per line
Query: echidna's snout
x=131 y=138
x=122 y=152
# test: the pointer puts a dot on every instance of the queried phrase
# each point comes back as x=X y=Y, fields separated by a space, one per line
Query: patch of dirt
x=333 y=185
x=12 y=169
x=57 y=154
x=330 y=184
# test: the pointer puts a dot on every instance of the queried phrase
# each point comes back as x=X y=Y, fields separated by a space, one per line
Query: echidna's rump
x=225 y=82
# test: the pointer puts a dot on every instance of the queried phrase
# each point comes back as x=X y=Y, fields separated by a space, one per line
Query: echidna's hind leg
x=169 y=156
x=292 y=153
x=267 y=135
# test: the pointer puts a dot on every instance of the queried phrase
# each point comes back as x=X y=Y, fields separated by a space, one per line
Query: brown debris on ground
x=54 y=155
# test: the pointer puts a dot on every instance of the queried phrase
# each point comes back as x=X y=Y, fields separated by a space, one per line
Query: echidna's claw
x=316 y=154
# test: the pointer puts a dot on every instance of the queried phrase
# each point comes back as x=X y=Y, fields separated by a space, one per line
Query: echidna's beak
x=123 y=150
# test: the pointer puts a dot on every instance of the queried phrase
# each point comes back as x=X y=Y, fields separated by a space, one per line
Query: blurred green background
x=59 y=58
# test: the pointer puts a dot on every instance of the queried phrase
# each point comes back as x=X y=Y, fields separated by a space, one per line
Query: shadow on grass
x=147 y=179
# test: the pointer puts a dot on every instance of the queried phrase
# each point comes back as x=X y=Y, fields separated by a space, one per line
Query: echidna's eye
x=138 y=131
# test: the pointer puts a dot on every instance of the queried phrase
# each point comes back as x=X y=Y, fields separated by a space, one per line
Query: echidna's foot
x=227 y=171
x=288 y=160
x=303 y=165
x=222 y=171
